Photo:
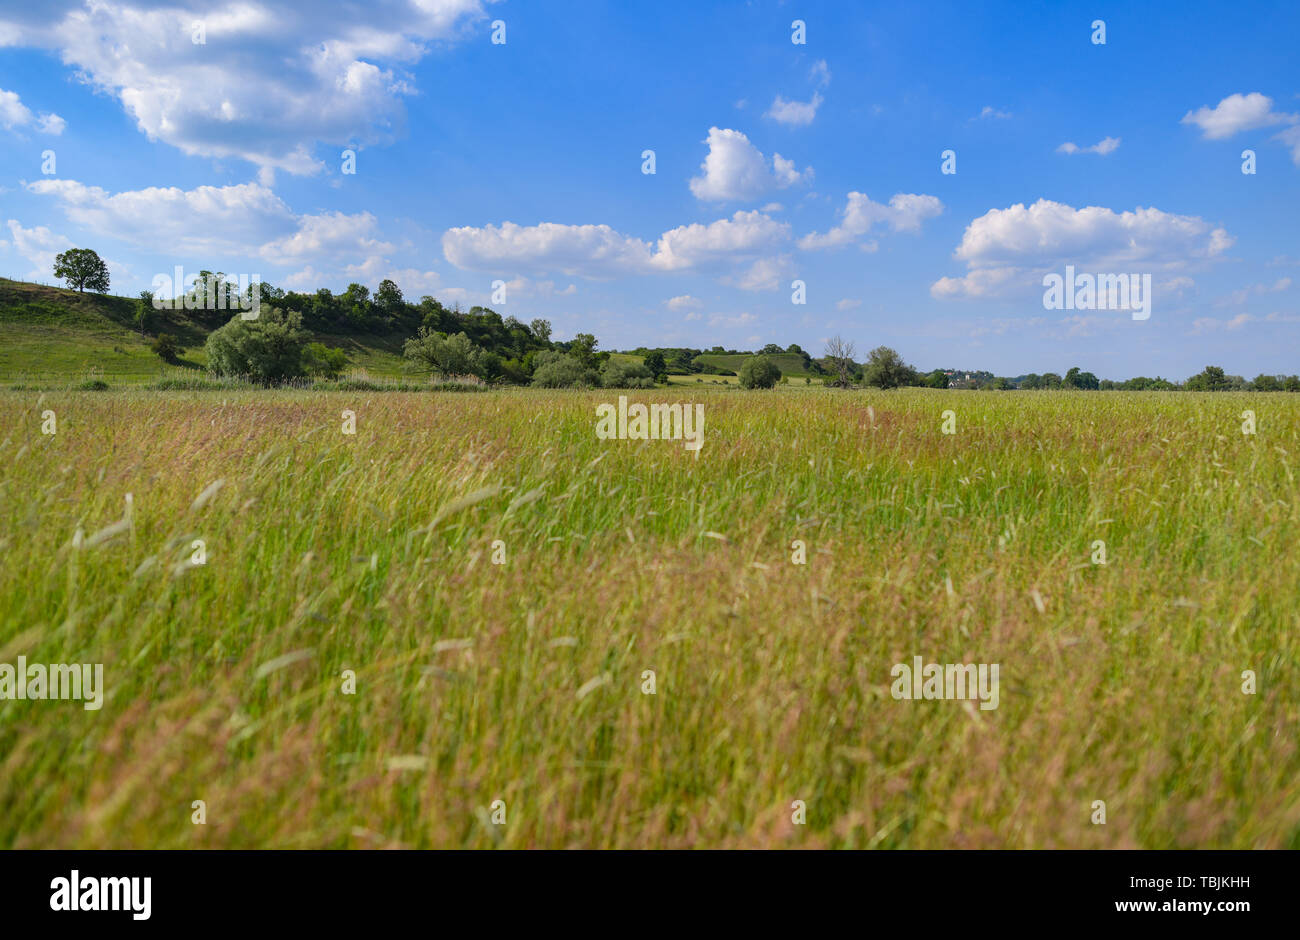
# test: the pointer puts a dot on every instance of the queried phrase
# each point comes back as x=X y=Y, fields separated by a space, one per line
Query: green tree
x=655 y=363
x=885 y=368
x=583 y=348
x=144 y=311
x=82 y=268
x=389 y=297
x=319 y=359
x=267 y=350
x=1211 y=379
x=542 y=330
x=937 y=379
x=759 y=372
x=445 y=355
x=1076 y=379
x=167 y=348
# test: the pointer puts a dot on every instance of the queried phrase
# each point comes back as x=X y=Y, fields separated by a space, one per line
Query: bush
x=759 y=372
x=93 y=385
x=560 y=370
x=321 y=360
x=616 y=374
x=268 y=350
x=167 y=348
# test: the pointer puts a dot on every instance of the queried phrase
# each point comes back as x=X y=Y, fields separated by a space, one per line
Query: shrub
x=759 y=372
x=268 y=350
x=560 y=370
x=616 y=374
x=93 y=385
x=167 y=348
x=321 y=360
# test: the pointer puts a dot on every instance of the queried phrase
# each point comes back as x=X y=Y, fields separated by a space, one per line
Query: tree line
x=277 y=345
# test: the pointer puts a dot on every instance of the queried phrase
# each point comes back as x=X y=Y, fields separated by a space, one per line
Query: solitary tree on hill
x=82 y=268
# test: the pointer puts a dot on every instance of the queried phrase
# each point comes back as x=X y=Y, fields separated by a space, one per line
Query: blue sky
x=774 y=162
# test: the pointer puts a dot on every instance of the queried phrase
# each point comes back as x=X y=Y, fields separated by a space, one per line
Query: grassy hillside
x=53 y=334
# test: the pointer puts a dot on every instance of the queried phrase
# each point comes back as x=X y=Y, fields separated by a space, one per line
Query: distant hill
x=55 y=332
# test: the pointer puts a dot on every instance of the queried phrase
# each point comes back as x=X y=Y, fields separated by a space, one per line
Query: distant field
x=525 y=681
x=788 y=363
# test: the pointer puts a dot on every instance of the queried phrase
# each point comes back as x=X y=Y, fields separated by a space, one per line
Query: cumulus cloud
x=15 y=114
x=764 y=274
x=1237 y=113
x=795 y=113
x=167 y=220
x=736 y=171
x=905 y=213
x=1007 y=250
x=270 y=80
x=847 y=303
x=684 y=302
x=991 y=112
x=1102 y=147
x=326 y=235
x=599 y=252
x=39 y=246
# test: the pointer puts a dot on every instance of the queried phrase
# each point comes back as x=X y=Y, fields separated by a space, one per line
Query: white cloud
x=795 y=113
x=735 y=170
x=1291 y=137
x=1102 y=147
x=272 y=79
x=39 y=246
x=208 y=219
x=329 y=235
x=847 y=304
x=1204 y=325
x=1008 y=249
x=598 y=251
x=764 y=274
x=683 y=302
x=991 y=112
x=1239 y=297
x=13 y=113
x=905 y=213
x=732 y=321
x=1237 y=113
x=820 y=73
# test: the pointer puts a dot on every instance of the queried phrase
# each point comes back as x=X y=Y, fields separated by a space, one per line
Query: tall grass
x=522 y=682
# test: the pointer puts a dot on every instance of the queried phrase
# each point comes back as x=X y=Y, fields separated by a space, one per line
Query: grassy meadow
x=523 y=681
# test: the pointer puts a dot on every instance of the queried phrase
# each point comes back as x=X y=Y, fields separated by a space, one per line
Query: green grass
x=522 y=682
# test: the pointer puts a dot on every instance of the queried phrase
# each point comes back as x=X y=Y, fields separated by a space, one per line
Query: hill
x=48 y=332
